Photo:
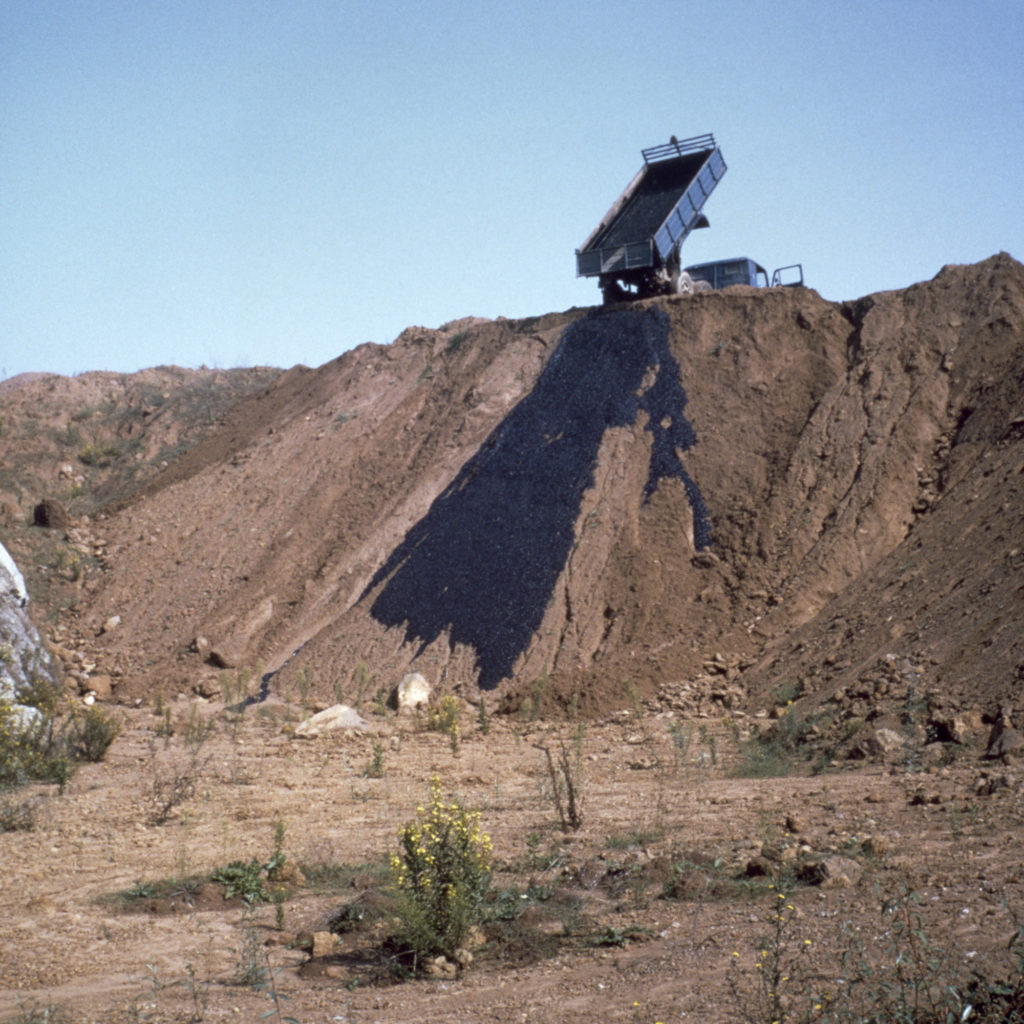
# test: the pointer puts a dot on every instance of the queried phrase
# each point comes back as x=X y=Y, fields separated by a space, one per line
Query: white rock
x=16 y=583
x=338 y=716
x=412 y=692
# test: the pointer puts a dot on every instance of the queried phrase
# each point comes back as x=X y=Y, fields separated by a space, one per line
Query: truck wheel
x=612 y=292
x=684 y=284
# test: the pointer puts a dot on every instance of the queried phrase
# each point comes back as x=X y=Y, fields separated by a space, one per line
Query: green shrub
x=16 y=815
x=246 y=879
x=38 y=744
x=375 y=766
x=441 y=876
x=101 y=454
x=30 y=748
x=445 y=718
x=773 y=754
x=90 y=733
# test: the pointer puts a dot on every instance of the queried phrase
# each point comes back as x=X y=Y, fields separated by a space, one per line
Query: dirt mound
x=703 y=496
x=95 y=438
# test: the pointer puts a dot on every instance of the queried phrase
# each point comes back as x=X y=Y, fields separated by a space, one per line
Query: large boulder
x=339 y=716
x=24 y=659
x=51 y=514
x=412 y=692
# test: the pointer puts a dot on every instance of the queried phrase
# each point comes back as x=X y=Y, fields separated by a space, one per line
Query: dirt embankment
x=597 y=503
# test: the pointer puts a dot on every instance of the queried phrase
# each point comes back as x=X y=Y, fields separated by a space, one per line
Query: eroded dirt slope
x=600 y=502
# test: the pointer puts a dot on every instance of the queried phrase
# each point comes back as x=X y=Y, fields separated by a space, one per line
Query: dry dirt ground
x=639 y=916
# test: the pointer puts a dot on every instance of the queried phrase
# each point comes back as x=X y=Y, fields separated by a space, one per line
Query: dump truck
x=634 y=251
x=742 y=270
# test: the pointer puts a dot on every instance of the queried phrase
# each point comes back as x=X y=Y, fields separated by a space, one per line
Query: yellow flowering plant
x=441 y=873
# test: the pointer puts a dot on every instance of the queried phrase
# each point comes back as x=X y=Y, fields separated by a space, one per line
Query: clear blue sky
x=238 y=182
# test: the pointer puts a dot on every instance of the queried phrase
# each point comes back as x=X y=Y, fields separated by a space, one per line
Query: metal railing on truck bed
x=658 y=209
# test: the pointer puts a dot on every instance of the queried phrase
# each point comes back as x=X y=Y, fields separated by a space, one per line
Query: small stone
x=876 y=846
x=207 y=688
x=758 y=867
x=441 y=967
x=832 y=872
x=100 y=685
x=1005 y=741
x=324 y=944
x=290 y=874
x=883 y=742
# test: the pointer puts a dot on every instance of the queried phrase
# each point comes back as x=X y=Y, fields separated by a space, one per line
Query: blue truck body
x=634 y=251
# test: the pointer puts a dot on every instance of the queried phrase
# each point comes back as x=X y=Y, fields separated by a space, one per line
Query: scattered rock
x=101 y=686
x=441 y=967
x=883 y=742
x=692 y=883
x=324 y=944
x=221 y=658
x=207 y=687
x=759 y=866
x=1004 y=741
x=876 y=846
x=110 y=624
x=957 y=727
x=988 y=784
x=831 y=872
x=289 y=874
x=338 y=716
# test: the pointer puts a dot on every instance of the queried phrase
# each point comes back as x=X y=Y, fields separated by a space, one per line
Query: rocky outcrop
x=12 y=583
x=24 y=659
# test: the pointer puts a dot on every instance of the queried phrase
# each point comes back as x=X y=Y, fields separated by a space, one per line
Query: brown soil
x=102 y=921
x=521 y=504
x=844 y=453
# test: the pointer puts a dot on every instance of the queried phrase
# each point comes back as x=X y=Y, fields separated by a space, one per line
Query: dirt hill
x=721 y=500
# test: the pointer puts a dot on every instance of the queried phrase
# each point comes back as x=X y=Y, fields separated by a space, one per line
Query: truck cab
x=743 y=270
